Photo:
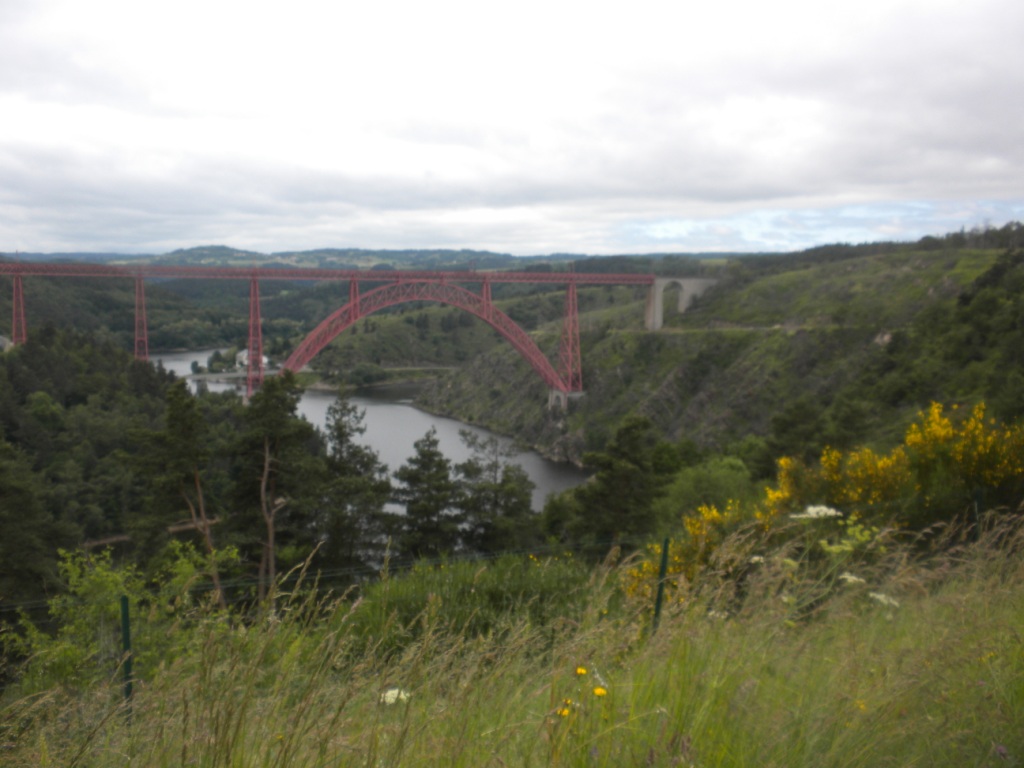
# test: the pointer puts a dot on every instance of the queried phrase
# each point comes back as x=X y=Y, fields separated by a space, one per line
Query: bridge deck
x=78 y=269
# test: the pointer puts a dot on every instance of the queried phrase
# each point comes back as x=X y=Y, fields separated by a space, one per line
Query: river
x=393 y=425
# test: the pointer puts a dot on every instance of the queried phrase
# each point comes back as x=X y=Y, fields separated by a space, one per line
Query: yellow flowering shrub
x=988 y=455
x=786 y=490
x=704 y=530
x=933 y=431
x=640 y=581
x=944 y=464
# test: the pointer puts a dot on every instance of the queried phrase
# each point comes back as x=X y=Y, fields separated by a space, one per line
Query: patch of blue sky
x=792 y=229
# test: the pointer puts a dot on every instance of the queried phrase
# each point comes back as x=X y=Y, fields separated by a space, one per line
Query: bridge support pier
x=353 y=296
x=141 y=329
x=254 y=375
x=560 y=399
x=18 y=333
x=569 y=350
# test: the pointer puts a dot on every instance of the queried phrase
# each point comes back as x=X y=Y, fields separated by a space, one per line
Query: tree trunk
x=208 y=538
x=270 y=508
x=202 y=523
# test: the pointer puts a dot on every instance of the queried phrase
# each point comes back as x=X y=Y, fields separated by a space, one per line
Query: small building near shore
x=242 y=359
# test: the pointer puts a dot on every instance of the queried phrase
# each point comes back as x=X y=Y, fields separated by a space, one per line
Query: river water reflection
x=393 y=425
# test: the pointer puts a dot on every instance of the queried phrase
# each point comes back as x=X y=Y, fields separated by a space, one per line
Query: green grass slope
x=836 y=353
x=915 y=661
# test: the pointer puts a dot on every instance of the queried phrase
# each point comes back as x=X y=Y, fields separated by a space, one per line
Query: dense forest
x=103 y=451
x=836 y=347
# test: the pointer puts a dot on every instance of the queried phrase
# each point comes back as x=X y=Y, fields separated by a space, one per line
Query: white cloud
x=528 y=128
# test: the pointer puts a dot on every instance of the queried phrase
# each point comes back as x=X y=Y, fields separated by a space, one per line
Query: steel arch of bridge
x=361 y=305
x=400 y=286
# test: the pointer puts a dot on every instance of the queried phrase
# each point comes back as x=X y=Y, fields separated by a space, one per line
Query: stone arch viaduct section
x=690 y=288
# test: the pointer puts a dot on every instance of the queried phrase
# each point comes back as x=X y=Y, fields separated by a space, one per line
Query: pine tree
x=496 y=497
x=30 y=536
x=430 y=527
x=177 y=458
x=280 y=472
x=615 y=508
x=350 y=524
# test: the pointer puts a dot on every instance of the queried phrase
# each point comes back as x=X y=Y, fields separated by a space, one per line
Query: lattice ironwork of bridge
x=390 y=287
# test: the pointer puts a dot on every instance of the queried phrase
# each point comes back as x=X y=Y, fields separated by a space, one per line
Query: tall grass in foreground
x=921 y=664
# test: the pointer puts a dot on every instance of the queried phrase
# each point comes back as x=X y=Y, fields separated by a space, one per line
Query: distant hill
x=360 y=258
x=219 y=255
x=350 y=258
x=1010 y=235
x=71 y=256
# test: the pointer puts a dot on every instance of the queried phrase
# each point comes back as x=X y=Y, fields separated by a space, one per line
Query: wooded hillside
x=799 y=353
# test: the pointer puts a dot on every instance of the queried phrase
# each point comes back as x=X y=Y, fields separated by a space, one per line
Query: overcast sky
x=525 y=127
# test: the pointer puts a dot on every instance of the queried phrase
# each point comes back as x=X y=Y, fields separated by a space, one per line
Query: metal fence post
x=126 y=643
x=662 y=572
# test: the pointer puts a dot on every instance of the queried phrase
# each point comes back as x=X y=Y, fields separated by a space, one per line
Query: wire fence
x=244 y=589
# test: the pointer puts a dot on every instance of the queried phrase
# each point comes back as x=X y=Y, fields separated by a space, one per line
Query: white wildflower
x=884 y=599
x=849 y=578
x=393 y=696
x=817 y=512
x=757 y=560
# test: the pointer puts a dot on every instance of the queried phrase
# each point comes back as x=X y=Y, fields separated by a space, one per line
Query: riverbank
x=392 y=377
x=394 y=418
x=417 y=384
x=408 y=391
